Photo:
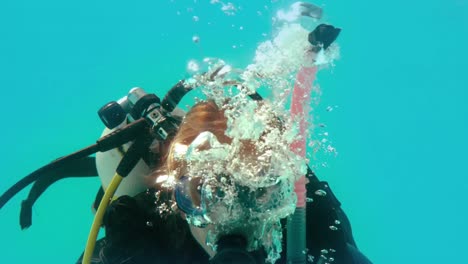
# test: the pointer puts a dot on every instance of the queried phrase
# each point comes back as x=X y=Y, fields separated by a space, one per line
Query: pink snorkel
x=301 y=97
x=320 y=38
x=296 y=236
x=296 y=226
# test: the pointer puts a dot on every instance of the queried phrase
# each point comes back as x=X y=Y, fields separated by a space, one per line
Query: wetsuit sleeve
x=329 y=233
x=356 y=257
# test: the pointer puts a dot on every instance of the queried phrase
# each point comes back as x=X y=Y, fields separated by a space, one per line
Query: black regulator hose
x=85 y=167
x=175 y=94
x=23 y=183
x=108 y=142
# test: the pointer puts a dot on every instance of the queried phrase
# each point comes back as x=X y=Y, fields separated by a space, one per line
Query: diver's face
x=194 y=188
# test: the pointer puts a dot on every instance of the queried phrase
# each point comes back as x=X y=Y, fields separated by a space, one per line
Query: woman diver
x=137 y=233
x=221 y=192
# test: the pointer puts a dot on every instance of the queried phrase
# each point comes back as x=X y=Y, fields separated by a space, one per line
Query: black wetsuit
x=137 y=234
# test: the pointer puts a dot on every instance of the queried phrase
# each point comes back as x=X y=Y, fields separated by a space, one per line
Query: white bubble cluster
x=290 y=15
x=193 y=66
x=259 y=158
x=228 y=8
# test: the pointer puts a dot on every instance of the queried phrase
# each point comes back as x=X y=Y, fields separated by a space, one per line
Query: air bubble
x=149 y=224
x=320 y=193
x=337 y=222
x=330 y=148
x=229 y=9
x=193 y=66
x=309 y=200
x=333 y=228
x=331 y=108
x=157 y=194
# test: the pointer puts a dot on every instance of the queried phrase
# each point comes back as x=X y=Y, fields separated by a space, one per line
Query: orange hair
x=204 y=116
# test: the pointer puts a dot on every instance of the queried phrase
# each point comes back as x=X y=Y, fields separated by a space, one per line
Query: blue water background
x=400 y=128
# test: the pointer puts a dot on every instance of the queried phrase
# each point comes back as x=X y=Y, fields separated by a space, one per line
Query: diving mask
x=218 y=200
x=209 y=194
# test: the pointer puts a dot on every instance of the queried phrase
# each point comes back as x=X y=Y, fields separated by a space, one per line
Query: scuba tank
x=115 y=115
x=107 y=162
x=136 y=116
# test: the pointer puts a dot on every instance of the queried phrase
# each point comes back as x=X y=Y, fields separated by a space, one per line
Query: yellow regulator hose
x=97 y=223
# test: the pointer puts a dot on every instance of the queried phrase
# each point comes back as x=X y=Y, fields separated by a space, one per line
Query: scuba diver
x=212 y=193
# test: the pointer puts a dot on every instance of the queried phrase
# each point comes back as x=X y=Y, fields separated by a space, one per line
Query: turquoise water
x=399 y=127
